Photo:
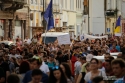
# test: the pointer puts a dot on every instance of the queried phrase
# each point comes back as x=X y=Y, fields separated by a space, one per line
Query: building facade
x=79 y=17
x=8 y=17
x=67 y=16
x=35 y=16
x=123 y=16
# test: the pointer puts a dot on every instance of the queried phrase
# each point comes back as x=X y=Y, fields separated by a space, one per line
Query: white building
x=94 y=21
x=102 y=15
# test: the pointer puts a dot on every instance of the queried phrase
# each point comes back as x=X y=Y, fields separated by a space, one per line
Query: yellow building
x=35 y=10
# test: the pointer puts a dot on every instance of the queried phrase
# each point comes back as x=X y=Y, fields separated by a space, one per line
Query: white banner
x=94 y=37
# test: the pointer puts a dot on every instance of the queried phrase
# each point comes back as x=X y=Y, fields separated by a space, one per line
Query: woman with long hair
x=24 y=67
x=67 y=71
x=57 y=76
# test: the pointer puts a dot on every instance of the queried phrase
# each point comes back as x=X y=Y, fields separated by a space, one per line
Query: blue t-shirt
x=118 y=48
x=28 y=78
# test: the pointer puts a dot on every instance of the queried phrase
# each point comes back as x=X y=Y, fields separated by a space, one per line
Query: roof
x=54 y=34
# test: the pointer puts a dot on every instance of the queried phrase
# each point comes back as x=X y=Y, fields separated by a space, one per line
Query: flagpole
x=45 y=37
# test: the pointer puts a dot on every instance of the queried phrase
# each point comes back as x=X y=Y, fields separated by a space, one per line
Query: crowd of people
x=31 y=61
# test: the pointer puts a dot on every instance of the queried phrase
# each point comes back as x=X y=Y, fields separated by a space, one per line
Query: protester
x=57 y=76
x=94 y=71
x=36 y=76
x=36 y=62
x=118 y=67
x=2 y=75
x=13 y=78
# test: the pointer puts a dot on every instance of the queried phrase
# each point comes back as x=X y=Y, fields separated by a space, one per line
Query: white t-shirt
x=28 y=41
x=44 y=68
x=88 y=75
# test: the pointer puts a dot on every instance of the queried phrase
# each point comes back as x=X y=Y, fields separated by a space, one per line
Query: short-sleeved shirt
x=77 y=67
x=88 y=75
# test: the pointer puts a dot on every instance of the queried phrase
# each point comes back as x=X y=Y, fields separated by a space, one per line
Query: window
x=53 y=1
x=35 y=1
x=31 y=1
x=17 y=23
x=41 y=2
x=78 y=4
x=71 y=4
x=62 y=3
x=57 y=2
x=64 y=24
x=65 y=4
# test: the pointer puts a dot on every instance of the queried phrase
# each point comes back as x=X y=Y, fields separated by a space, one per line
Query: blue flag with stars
x=48 y=16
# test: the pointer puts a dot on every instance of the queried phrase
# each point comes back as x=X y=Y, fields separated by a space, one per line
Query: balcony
x=56 y=9
x=111 y=12
x=17 y=1
x=12 y=5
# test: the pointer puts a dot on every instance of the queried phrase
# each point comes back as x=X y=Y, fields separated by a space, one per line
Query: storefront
x=5 y=24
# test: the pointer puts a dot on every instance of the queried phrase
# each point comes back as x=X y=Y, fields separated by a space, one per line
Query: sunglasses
x=55 y=68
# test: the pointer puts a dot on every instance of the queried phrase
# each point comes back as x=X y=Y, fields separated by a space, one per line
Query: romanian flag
x=118 y=25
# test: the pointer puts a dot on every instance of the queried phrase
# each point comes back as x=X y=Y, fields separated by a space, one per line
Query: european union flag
x=118 y=25
x=48 y=16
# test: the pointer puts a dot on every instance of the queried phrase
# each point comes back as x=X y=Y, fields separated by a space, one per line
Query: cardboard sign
x=67 y=46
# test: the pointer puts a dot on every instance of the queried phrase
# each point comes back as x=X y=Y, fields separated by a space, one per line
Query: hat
x=89 y=57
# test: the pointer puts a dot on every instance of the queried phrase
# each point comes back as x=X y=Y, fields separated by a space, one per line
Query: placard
x=64 y=39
